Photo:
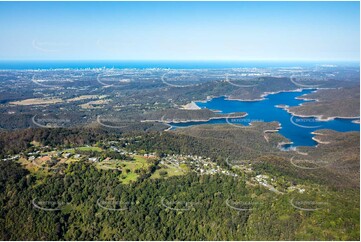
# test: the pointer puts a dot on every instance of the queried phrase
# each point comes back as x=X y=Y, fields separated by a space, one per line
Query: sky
x=180 y=31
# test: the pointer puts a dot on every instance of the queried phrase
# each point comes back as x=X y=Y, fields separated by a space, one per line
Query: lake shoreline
x=193 y=120
x=286 y=100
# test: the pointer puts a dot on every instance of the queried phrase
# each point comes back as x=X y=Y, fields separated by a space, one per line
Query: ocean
x=25 y=65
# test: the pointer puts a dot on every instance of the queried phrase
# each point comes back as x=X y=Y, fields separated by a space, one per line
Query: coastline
x=317 y=117
x=285 y=107
x=271 y=131
x=205 y=120
x=303 y=97
x=317 y=140
x=263 y=95
x=192 y=120
x=190 y=106
x=281 y=144
x=193 y=105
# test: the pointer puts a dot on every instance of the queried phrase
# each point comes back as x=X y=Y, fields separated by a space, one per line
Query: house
x=67 y=155
x=93 y=159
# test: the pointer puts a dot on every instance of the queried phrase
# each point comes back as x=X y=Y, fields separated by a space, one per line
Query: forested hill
x=80 y=201
x=87 y=204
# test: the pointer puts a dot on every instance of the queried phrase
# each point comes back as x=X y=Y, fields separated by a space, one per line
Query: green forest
x=86 y=203
x=190 y=207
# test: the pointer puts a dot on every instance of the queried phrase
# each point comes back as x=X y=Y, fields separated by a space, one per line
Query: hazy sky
x=180 y=30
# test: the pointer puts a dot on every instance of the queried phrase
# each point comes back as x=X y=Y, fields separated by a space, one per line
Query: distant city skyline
x=223 y=31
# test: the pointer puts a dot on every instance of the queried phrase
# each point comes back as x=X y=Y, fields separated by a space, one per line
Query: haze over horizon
x=223 y=31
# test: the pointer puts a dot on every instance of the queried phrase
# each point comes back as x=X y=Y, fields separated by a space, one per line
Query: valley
x=96 y=151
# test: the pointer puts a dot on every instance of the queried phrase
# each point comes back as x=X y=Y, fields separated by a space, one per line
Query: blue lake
x=298 y=130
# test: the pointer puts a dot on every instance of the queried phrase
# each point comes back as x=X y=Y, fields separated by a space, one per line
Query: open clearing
x=170 y=171
x=128 y=168
x=37 y=101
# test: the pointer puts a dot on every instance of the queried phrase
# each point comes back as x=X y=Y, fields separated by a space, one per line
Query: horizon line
x=189 y=60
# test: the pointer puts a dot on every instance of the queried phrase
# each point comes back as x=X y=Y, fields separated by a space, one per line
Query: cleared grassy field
x=37 y=101
x=129 y=177
x=171 y=171
x=128 y=168
x=90 y=148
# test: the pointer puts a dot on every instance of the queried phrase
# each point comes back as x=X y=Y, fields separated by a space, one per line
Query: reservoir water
x=298 y=130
